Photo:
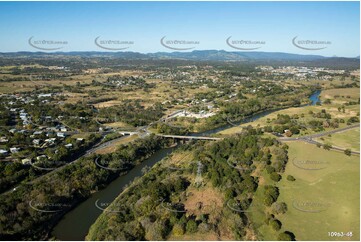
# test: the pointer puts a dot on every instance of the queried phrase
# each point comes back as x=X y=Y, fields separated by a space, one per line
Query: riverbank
x=74 y=227
x=76 y=223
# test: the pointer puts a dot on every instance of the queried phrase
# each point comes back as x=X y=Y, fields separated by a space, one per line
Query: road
x=323 y=133
x=188 y=137
x=306 y=138
x=309 y=138
x=96 y=147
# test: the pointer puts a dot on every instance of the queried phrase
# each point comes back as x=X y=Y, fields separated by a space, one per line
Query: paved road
x=309 y=138
x=188 y=137
x=321 y=134
x=96 y=147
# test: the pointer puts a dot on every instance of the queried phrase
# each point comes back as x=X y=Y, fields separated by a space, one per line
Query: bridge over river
x=173 y=136
x=305 y=138
x=189 y=137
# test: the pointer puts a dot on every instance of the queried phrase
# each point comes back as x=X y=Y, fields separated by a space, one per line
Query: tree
x=286 y=236
x=295 y=130
x=348 y=152
x=353 y=120
x=178 y=230
x=327 y=101
x=279 y=208
x=191 y=226
x=271 y=194
x=270 y=169
x=268 y=129
x=291 y=178
x=269 y=217
x=275 y=224
x=275 y=176
x=268 y=200
x=156 y=231
x=133 y=231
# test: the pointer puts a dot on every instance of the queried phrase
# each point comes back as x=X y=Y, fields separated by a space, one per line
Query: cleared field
x=349 y=139
x=121 y=125
x=339 y=97
x=19 y=86
x=353 y=93
x=211 y=236
x=325 y=196
x=331 y=84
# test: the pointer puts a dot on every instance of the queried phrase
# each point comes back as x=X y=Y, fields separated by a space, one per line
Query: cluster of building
x=37 y=136
x=300 y=72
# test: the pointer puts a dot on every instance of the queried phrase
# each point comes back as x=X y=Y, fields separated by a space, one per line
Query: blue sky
x=209 y=23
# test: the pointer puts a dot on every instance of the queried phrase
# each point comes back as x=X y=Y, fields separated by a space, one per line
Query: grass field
x=349 y=139
x=323 y=200
x=353 y=93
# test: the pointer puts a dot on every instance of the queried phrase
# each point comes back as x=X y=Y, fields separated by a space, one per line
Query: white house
x=37 y=132
x=36 y=141
x=26 y=161
x=14 y=150
x=3 y=152
x=3 y=139
x=61 y=135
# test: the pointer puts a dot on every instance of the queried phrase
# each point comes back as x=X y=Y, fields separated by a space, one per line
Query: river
x=76 y=223
x=315 y=97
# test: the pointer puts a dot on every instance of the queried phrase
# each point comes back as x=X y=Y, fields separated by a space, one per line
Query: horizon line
x=170 y=52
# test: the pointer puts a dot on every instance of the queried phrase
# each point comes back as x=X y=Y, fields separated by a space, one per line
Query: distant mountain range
x=221 y=55
x=196 y=55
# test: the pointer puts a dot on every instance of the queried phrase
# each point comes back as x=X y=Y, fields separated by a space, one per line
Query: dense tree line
x=165 y=128
x=227 y=166
x=66 y=187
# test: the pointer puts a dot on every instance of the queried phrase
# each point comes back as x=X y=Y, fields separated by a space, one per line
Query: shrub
x=268 y=200
x=270 y=169
x=279 y=208
x=291 y=178
x=275 y=176
x=275 y=224
x=286 y=236
x=347 y=152
x=178 y=230
x=191 y=226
